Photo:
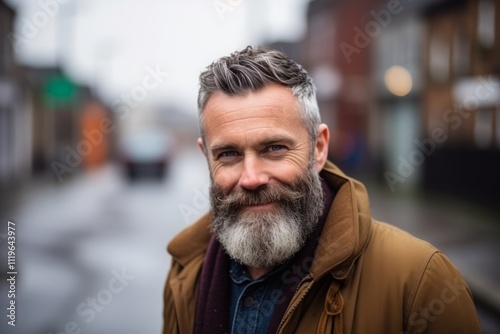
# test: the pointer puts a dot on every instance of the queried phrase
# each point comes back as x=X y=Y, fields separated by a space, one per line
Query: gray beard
x=266 y=239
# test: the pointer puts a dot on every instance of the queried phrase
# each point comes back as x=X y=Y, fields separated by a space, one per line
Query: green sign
x=59 y=91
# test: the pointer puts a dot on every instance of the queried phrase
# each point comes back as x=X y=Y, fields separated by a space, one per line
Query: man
x=289 y=245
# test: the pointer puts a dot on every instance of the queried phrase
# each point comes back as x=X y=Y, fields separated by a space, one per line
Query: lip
x=259 y=207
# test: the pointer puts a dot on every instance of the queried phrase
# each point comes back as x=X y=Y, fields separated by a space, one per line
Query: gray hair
x=252 y=69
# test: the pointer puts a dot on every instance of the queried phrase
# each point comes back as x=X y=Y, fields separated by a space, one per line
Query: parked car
x=146 y=152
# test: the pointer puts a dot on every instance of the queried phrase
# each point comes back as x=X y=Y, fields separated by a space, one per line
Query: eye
x=276 y=149
x=227 y=156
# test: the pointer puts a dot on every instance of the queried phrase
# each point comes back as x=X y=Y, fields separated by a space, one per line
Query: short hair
x=252 y=69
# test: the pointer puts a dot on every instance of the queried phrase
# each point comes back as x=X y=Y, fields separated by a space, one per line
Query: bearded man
x=289 y=245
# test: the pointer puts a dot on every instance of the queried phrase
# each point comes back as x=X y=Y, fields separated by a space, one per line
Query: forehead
x=273 y=107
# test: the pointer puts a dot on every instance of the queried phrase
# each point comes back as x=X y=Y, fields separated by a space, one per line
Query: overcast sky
x=112 y=44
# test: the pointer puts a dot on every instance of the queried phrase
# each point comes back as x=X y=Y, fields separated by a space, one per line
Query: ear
x=201 y=146
x=321 y=147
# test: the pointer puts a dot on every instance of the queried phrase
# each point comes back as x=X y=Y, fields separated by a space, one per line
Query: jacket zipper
x=296 y=300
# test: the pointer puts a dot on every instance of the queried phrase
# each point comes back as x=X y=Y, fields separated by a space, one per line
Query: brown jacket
x=366 y=277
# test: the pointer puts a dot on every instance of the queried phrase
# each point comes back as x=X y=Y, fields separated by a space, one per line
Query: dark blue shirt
x=253 y=301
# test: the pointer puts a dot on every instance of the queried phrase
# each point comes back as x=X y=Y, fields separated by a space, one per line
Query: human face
x=266 y=194
x=254 y=140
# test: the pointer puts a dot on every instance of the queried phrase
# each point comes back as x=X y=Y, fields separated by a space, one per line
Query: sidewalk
x=468 y=234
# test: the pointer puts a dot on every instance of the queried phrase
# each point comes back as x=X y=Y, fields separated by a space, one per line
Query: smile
x=259 y=207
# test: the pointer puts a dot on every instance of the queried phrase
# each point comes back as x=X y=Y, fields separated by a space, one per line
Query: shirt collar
x=239 y=274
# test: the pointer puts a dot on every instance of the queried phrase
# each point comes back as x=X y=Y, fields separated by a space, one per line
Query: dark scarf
x=212 y=307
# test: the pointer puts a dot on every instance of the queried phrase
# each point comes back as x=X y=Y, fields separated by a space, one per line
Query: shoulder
x=191 y=242
x=397 y=243
x=399 y=256
x=399 y=261
x=427 y=282
x=399 y=252
x=402 y=284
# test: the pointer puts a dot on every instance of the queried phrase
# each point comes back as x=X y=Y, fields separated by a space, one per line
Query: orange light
x=398 y=80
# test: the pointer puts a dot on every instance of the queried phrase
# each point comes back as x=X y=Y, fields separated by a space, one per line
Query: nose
x=253 y=174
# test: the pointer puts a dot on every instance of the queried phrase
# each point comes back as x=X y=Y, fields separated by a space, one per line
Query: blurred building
x=16 y=109
x=410 y=90
x=58 y=147
x=54 y=123
x=462 y=98
x=42 y=117
x=338 y=53
x=366 y=60
x=95 y=127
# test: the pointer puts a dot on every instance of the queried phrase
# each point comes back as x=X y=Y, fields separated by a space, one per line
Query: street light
x=398 y=80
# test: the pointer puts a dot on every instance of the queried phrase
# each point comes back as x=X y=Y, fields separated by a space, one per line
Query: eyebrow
x=277 y=139
x=273 y=140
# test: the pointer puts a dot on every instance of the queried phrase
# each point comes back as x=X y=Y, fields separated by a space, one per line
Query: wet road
x=91 y=251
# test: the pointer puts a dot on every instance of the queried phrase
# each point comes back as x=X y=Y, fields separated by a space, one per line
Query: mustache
x=260 y=196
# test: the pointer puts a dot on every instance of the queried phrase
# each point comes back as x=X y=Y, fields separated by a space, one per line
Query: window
x=439 y=59
x=483 y=128
x=461 y=53
x=486 y=24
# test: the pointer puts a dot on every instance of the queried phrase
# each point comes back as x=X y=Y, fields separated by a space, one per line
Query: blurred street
x=99 y=119
x=91 y=252
x=73 y=239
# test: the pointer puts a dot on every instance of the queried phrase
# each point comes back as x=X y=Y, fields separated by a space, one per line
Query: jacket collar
x=344 y=236
x=347 y=226
x=191 y=242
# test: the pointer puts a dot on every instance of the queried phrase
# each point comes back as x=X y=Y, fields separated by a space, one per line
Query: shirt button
x=248 y=301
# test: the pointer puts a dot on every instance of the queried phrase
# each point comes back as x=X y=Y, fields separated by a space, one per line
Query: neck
x=255 y=273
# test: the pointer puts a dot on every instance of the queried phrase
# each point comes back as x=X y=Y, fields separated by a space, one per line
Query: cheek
x=287 y=174
x=292 y=167
x=224 y=178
